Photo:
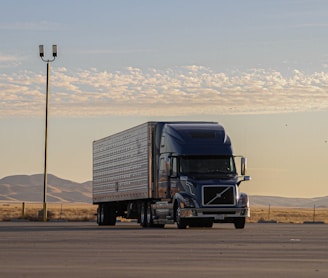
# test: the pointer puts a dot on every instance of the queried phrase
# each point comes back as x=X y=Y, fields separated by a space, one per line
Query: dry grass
x=288 y=215
x=86 y=212
x=56 y=211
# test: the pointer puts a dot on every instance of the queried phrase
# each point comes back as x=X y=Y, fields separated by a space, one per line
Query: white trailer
x=152 y=173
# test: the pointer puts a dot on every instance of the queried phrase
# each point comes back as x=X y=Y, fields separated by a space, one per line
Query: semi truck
x=161 y=173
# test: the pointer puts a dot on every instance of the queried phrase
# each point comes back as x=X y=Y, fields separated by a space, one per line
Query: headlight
x=243 y=200
x=187 y=203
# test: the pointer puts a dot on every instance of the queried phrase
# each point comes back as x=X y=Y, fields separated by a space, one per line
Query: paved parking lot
x=83 y=249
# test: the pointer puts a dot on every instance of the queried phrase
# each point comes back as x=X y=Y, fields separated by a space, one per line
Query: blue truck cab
x=197 y=174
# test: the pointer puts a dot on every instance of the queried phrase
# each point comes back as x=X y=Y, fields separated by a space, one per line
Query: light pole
x=45 y=176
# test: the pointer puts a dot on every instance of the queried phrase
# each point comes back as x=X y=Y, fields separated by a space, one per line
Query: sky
x=258 y=67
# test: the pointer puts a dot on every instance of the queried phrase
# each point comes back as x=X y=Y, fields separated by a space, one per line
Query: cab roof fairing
x=195 y=139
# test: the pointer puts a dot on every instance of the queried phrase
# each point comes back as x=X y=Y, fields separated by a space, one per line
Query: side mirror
x=243 y=166
x=246 y=178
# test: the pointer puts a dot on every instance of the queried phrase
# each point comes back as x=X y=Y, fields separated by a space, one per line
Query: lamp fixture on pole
x=45 y=175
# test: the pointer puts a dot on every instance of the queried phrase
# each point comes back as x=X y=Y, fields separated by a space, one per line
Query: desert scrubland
x=86 y=212
x=56 y=211
x=288 y=215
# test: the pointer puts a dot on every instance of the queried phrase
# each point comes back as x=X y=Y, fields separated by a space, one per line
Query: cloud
x=192 y=90
x=9 y=61
x=7 y=58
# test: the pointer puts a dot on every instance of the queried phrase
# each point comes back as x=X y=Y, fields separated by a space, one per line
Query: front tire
x=240 y=222
x=181 y=223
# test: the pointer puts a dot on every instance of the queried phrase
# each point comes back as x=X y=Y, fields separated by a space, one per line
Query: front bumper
x=217 y=214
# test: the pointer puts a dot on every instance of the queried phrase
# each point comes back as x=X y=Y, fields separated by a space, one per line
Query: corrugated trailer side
x=122 y=165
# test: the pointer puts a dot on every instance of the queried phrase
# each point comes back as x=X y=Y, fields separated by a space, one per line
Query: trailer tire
x=100 y=215
x=106 y=215
x=240 y=222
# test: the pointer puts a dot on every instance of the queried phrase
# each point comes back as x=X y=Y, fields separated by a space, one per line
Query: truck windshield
x=208 y=164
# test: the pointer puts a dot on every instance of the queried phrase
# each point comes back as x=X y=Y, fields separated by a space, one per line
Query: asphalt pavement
x=83 y=249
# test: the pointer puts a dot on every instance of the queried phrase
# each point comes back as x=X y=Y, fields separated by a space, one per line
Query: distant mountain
x=25 y=188
x=319 y=202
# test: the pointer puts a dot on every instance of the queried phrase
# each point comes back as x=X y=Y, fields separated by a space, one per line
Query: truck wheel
x=143 y=215
x=240 y=222
x=149 y=215
x=181 y=223
x=106 y=215
x=100 y=215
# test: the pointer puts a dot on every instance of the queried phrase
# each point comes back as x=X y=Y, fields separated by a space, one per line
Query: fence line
x=55 y=211
x=86 y=212
x=289 y=215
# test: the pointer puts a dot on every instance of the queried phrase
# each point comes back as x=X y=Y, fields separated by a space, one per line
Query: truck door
x=173 y=179
x=164 y=179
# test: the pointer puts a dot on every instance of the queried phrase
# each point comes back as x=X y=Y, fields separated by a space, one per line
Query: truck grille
x=214 y=195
